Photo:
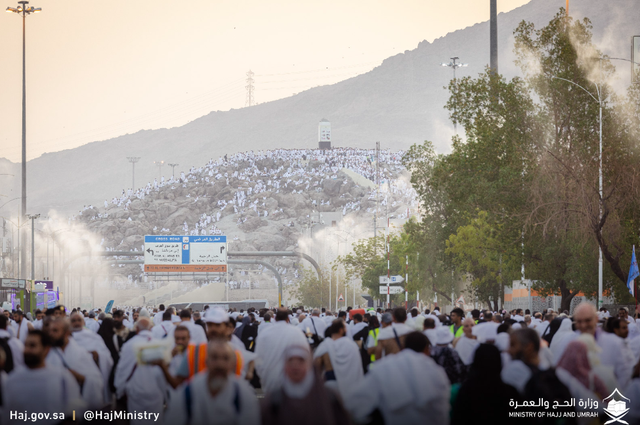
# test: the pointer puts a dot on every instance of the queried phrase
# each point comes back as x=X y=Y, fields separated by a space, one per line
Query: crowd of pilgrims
x=294 y=366
x=252 y=185
x=289 y=175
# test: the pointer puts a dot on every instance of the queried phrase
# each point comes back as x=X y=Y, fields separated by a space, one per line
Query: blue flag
x=110 y=303
x=633 y=272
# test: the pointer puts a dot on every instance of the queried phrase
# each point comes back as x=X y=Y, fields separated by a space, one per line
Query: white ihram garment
x=78 y=359
x=407 y=387
x=144 y=385
x=91 y=341
x=345 y=360
x=270 y=348
x=45 y=390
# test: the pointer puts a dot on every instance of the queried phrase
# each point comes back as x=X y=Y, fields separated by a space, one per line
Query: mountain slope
x=398 y=103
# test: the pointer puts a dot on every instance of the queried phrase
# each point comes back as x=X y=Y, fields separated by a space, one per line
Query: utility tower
x=133 y=160
x=250 y=89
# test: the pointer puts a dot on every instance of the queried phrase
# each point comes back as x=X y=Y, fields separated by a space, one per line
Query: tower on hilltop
x=324 y=134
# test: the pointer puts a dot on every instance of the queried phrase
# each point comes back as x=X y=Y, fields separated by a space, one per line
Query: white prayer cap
x=215 y=315
x=516 y=326
x=235 y=315
x=445 y=336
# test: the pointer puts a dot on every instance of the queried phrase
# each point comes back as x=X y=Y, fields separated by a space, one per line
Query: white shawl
x=345 y=360
x=466 y=348
x=78 y=359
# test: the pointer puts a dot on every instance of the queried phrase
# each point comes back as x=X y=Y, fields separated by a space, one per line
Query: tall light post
x=455 y=65
x=159 y=164
x=133 y=160
x=599 y=100
x=24 y=10
x=33 y=218
x=600 y=184
x=173 y=169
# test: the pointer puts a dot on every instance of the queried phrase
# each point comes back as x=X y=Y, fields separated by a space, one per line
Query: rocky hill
x=262 y=201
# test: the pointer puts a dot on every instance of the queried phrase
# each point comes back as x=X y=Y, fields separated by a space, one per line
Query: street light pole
x=24 y=10
x=600 y=184
x=455 y=65
x=133 y=160
x=159 y=164
x=33 y=217
x=173 y=169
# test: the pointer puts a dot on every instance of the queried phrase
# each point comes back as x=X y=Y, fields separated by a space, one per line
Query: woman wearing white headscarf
x=561 y=339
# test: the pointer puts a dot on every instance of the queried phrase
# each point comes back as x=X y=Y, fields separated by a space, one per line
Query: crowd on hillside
x=314 y=366
x=290 y=173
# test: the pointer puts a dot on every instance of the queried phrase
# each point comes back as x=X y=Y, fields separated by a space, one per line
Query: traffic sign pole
x=388 y=272
x=406 y=282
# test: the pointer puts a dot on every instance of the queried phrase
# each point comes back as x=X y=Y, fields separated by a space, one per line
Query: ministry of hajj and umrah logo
x=616 y=407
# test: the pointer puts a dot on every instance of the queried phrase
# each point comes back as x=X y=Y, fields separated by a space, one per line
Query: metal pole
x=23 y=268
x=338 y=282
x=330 y=282
x=388 y=272
x=600 y=264
x=375 y=213
x=406 y=284
x=227 y=249
x=493 y=36
x=33 y=248
x=418 y=291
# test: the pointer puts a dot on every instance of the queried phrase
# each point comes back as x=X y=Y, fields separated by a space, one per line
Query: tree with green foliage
x=568 y=219
x=477 y=250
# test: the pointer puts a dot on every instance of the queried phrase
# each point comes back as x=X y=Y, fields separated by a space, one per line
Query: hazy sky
x=100 y=69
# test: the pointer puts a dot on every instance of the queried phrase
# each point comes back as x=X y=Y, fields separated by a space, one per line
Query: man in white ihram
x=40 y=388
x=586 y=320
x=407 y=388
x=215 y=396
x=91 y=323
x=24 y=325
x=165 y=328
x=67 y=353
x=307 y=325
x=15 y=345
x=157 y=318
x=341 y=353
x=196 y=332
x=467 y=344
x=271 y=345
x=95 y=345
x=144 y=385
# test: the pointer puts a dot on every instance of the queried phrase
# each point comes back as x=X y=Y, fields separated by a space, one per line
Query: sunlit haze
x=98 y=69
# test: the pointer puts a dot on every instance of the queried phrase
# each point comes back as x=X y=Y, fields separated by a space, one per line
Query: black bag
x=315 y=339
x=8 y=363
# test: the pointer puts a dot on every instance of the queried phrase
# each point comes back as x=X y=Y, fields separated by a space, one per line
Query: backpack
x=8 y=363
x=544 y=384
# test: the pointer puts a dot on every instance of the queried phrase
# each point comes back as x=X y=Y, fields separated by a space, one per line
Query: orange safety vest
x=197 y=359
